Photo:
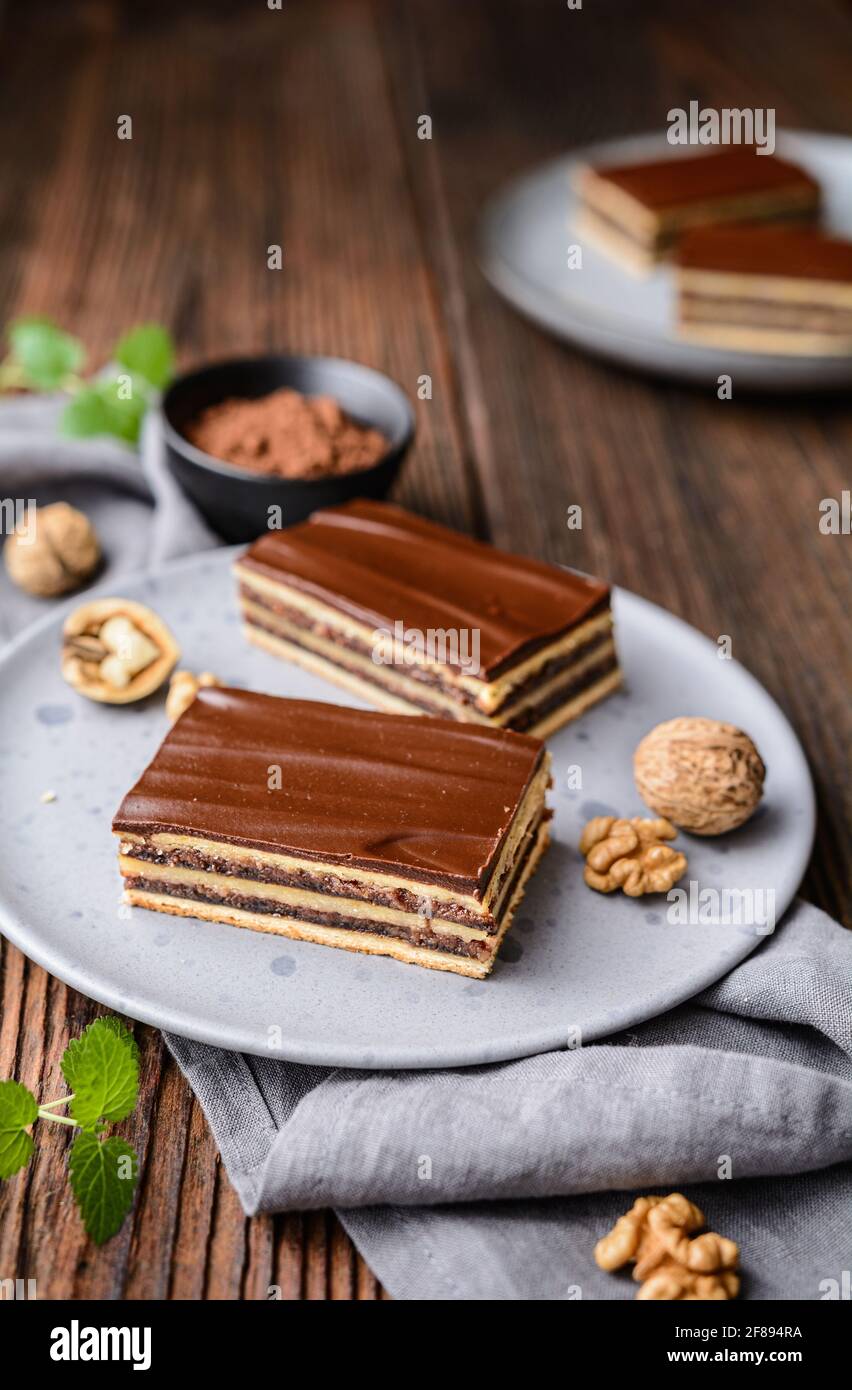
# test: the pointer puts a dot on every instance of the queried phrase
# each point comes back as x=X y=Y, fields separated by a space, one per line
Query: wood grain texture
x=253 y=127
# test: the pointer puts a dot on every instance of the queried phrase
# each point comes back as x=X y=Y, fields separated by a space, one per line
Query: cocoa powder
x=287 y=435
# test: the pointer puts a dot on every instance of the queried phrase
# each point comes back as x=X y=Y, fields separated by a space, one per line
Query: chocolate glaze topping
x=780 y=251
x=424 y=798
x=726 y=173
x=382 y=565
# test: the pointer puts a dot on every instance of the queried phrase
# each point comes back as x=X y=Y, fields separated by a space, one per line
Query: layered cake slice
x=416 y=618
x=637 y=212
x=374 y=832
x=766 y=289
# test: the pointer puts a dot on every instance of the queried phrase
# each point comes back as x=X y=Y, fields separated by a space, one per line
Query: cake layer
x=639 y=247
x=637 y=212
x=441 y=689
x=677 y=181
x=254 y=895
x=285 y=879
x=379 y=565
x=428 y=801
x=424 y=691
x=770 y=290
x=474 y=958
x=730 y=184
x=531 y=715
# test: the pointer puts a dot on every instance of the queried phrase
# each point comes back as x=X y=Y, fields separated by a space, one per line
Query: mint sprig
x=18 y=1109
x=102 y=1068
x=147 y=351
x=103 y=1180
x=42 y=357
x=46 y=356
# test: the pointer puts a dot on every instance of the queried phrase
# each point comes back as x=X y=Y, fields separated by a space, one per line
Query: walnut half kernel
x=631 y=855
x=657 y=1236
x=116 y=651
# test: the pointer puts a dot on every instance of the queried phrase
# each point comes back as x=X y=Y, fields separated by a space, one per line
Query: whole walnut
x=56 y=550
x=702 y=775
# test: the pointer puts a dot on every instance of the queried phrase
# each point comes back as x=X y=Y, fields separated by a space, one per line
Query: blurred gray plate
x=574 y=960
x=525 y=234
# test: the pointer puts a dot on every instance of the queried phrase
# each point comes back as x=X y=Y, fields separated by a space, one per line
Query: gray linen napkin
x=751 y=1081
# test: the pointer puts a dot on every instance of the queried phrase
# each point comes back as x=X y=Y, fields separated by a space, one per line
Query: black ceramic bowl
x=235 y=502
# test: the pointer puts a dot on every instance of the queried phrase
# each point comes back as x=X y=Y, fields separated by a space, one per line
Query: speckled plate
x=527 y=228
x=575 y=962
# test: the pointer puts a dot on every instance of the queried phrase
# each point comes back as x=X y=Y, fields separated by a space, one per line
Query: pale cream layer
x=366 y=942
x=526 y=815
x=487 y=694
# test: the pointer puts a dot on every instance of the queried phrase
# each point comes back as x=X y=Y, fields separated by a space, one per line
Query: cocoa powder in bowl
x=287 y=435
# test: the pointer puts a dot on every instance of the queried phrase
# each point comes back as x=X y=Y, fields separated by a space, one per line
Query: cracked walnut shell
x=631 y=855
x=116 y=651
x=704 y=776
x=59 y=554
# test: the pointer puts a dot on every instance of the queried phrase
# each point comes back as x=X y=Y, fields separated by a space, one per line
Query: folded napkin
x=495 y=1182
x=752 y=1080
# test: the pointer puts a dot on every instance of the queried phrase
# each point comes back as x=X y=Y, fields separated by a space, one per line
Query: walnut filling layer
x=347 y=881
x=417 y=931
x=421 y=945
x=254 y=896
x=257 y=895
x=406 y=693
x=325 y=629
x=435 y=686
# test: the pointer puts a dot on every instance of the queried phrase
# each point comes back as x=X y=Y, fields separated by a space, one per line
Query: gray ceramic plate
x=527 y=229
x=574 y=960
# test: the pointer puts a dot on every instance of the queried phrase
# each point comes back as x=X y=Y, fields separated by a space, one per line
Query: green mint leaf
x=102 y=1069
x=46 y=355
x=86 y=414
x=148 y=350
x=126 y=399
x=18 y=1108
x=103 y=1180
x=115 y=406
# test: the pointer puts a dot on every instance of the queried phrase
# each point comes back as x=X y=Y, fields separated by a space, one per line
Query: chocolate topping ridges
x=428 y=799
x=380 y=564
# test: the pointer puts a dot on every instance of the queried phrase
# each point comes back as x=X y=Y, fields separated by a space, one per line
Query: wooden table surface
x=254 y=127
